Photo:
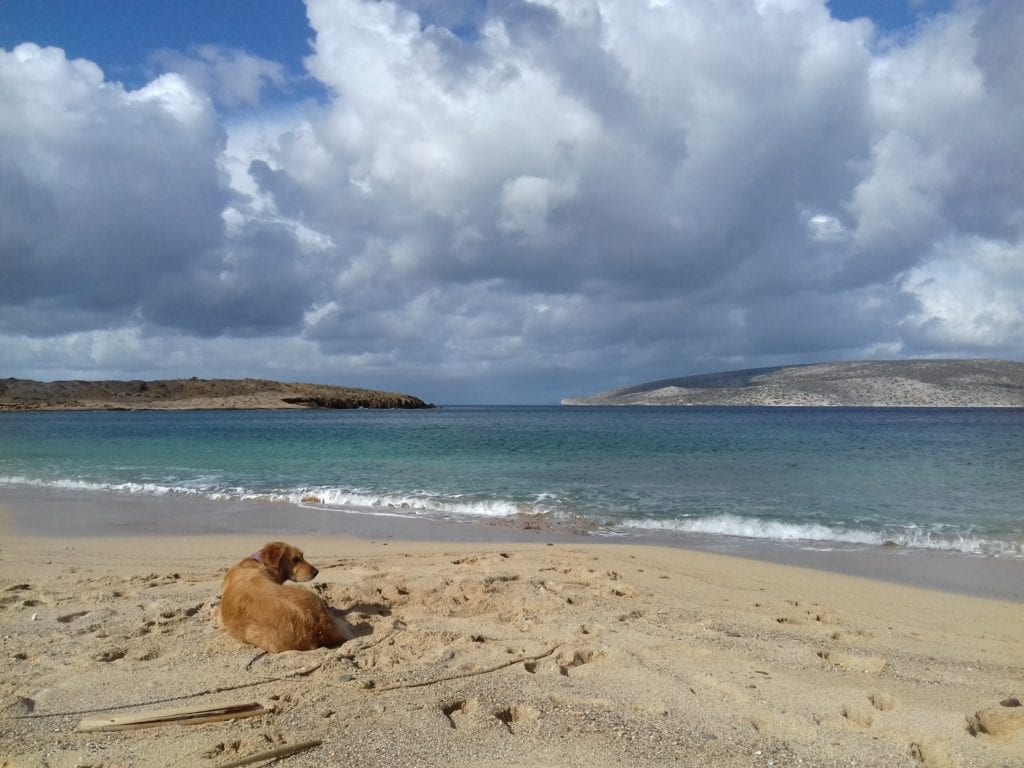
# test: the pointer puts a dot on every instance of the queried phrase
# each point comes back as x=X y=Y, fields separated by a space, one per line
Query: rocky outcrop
x=191 y=394
x=888 y=383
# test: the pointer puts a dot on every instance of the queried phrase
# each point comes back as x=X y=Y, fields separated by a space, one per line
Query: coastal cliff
x=889 y=383
x=190 y=394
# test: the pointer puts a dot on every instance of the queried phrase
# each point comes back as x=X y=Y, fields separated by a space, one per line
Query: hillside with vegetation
x=190 y=394
x=889 y=383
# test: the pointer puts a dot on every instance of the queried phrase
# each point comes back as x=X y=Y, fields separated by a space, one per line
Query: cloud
x=232 y=78
x=971 y=298
x=568 y=195
x=105 y=191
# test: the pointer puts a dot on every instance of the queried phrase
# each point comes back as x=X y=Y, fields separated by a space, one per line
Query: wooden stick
x=291 y=749
x=180 y=715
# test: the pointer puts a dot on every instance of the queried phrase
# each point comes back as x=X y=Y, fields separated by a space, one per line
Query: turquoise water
x=916 y=478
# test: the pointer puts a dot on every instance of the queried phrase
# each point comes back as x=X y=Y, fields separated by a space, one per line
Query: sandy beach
x=550 y=652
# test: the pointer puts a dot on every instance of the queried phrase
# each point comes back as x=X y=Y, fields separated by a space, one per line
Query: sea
x=817 y=478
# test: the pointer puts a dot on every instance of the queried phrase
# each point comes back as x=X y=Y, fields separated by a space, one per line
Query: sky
x=506 y=201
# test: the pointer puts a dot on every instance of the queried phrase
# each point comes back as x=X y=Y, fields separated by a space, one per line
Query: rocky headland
x=888 y=383
x=190 y=394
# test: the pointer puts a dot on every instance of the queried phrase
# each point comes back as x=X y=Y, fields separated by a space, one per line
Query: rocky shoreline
x=191 y=394
x=890 y=383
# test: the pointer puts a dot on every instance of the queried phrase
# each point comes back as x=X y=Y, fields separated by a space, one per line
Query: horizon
x=639 y=386
x=515 y=203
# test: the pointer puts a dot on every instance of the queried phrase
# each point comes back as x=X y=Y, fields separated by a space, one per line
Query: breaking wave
x=775 y=530
x=470 y=506
x=341 y=498
x=424 y=503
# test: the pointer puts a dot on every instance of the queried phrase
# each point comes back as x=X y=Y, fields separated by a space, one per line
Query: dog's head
x=285 y=562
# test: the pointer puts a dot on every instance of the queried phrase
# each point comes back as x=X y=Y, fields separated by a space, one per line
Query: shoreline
x=49 y=512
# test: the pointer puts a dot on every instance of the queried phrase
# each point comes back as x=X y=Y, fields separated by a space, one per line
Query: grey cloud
x=104 y=191
x=258 y=284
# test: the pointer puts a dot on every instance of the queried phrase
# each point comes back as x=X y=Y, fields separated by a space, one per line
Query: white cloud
x=971 y=297
x=826 y=228
x=232 y=78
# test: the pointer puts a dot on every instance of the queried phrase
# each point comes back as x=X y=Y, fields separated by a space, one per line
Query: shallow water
x=823 y=478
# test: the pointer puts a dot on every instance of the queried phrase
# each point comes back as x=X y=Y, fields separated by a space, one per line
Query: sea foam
x=422 y=502
x=774 y=530
x=465 y=506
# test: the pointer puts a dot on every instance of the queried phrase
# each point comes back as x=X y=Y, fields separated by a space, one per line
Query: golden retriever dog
x=258 y=608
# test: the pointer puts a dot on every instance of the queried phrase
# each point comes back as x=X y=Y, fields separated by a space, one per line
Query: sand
x=504 y=654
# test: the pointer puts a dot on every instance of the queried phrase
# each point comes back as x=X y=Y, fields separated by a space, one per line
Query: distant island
x=890 y=383
x=190 y=395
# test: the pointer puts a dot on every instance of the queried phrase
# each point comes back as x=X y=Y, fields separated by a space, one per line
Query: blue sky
x=510 y=201
x=120 y=36
x=889 y=15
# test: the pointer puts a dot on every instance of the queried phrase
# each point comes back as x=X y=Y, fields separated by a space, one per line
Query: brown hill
x=190 y=394
x=887 y=383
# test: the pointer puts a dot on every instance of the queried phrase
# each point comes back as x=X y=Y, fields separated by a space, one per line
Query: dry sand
x=505 y=655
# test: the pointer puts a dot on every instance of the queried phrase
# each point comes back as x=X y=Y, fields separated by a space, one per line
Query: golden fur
x=257 y=607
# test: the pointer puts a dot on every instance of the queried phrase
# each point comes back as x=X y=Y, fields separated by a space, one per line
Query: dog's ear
x=273 y=556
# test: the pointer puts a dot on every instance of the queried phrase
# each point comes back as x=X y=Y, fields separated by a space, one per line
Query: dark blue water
x=919 y=478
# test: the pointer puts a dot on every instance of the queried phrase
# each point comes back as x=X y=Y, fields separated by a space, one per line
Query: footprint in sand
x=858 y=714
x=932 y=754
x=171 y=614
x=22 y=705
x=218 y=750
x=14 y=597
x=464 y=713
x=542 y=667
x=850 y=636
x=517 y=716
x=111 y=654
x=1004 y=720
x=870 y=664
x=460 y=712
x=146 y=654
x=883 y=702
x=67 y=618
x=88 y=622
x=824 y=617
x=571 y=660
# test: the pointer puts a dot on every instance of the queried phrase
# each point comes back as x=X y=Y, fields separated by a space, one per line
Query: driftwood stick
x=285 y=751
x=220 y=689
x=178 y=715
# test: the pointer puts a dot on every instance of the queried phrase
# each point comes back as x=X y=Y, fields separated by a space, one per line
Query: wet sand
x=495 y=647
x=55 y=512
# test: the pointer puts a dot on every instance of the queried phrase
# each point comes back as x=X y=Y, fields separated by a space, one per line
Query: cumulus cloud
x=560 y=195
x=105 y=191
x=232 y=78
